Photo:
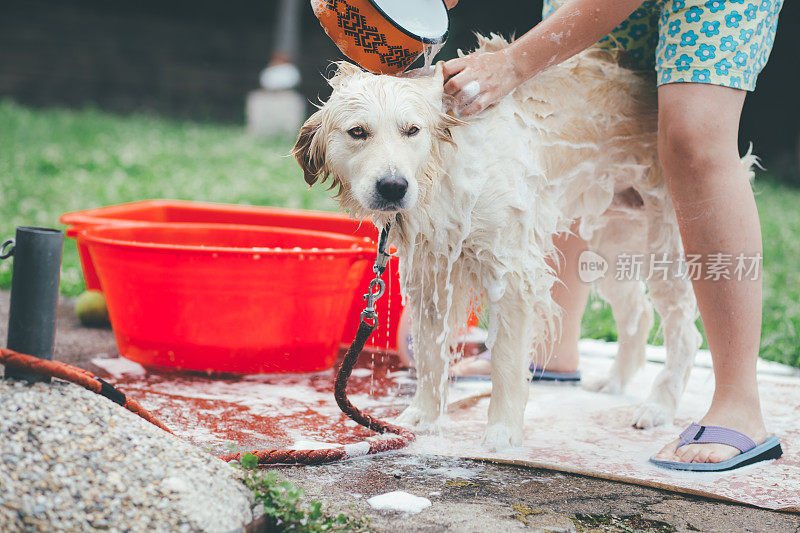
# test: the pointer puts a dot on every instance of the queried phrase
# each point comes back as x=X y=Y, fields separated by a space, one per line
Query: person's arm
x=573 y=27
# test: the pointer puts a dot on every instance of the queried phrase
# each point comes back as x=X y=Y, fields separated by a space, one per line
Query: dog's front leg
x=431 y=357
x=514 y=323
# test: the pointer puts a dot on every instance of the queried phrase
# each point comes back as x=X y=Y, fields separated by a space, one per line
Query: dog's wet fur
x=476 y=204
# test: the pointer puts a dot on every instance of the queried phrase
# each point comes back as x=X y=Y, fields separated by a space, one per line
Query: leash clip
x=377 y=286
x=371 y=297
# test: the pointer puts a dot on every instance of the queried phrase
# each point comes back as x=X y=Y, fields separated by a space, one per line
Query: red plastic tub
x=177 y=211
x=227 y=299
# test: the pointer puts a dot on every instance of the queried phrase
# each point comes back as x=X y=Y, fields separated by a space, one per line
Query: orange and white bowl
x=383 y=36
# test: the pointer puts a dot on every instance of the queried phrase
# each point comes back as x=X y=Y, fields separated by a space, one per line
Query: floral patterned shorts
x=721 y=42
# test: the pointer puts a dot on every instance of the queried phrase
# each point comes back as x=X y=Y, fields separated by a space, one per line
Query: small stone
x=175 y=484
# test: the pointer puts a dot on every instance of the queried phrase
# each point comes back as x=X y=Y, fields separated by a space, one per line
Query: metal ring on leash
x=7 y=249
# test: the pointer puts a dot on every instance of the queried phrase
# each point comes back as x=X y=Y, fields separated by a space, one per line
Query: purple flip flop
x=750 y=451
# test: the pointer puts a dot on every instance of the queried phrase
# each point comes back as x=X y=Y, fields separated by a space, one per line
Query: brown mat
x=567 y=428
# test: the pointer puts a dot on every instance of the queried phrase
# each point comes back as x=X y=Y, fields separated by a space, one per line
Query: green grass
x=779 y=208
x=54 y=161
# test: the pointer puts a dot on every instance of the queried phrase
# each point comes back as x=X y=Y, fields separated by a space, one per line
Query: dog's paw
x=411 y=416
x=606 y=385
x=652 y=414
x=420 y=420
x=501 y=436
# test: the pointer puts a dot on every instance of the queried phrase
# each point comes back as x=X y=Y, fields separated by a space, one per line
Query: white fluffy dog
x=475 y=206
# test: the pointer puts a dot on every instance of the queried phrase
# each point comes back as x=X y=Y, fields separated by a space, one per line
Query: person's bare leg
x=571 y=294
x=716 y=211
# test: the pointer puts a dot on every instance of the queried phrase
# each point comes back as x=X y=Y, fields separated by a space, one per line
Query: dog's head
x=378 y=139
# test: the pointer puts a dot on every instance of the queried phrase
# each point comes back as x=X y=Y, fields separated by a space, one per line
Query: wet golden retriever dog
x=475 y=205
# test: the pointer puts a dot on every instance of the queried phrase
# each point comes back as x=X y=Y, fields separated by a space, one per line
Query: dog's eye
x=357 y=133
x=413 y=130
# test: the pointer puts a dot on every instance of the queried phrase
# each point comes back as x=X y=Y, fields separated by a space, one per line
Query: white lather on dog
x=476 y=204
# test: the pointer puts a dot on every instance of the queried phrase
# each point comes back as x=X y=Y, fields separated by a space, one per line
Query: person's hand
x=450 y=3
x=479 y=80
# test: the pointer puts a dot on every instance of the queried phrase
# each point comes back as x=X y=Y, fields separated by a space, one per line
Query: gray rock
x=73 y=460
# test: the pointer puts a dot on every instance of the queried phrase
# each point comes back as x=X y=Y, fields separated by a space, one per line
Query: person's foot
x=477 y=365
x=279 y=75
x=480 y=365
x=470 y=343
x=565 y=359
x=743 y=418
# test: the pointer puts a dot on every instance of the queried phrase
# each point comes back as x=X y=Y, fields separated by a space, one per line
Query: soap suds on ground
x=119 y=366
x=399 y=500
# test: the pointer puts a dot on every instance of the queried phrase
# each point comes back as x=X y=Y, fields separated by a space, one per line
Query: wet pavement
x=466 y=495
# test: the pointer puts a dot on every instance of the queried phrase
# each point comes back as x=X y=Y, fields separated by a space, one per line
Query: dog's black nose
x=392 y=187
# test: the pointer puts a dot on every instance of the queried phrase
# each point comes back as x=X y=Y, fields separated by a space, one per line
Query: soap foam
x=471 y=90
x=399 y=500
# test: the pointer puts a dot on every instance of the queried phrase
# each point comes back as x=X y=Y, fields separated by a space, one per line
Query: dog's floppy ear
x=308 y=151
x=438 y=72
x=344 y=71
x=447 y=121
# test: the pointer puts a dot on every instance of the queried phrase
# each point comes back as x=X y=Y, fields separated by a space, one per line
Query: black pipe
x=34 y=296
